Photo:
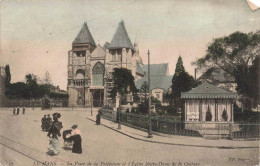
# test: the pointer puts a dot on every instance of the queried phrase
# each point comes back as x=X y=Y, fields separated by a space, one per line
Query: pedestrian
x=18 y=110
x=76 y=138
x=23 y=110
x=54 y=133
x=14 y=111
x=48 y=121
x=98 y=118
x=43 y=123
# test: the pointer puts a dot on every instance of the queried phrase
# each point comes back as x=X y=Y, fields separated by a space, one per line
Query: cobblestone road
x=23 y=143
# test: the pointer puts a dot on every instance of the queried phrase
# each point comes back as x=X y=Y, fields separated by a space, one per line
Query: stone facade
x=90 y=66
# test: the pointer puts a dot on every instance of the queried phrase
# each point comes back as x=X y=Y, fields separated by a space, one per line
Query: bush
x=107 y=107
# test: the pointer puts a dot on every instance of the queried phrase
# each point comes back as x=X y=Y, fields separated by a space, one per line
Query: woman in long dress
x=76 y=138
x=54 y=133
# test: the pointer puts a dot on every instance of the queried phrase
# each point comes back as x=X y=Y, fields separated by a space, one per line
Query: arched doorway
x=80 y=101
x=98 y=97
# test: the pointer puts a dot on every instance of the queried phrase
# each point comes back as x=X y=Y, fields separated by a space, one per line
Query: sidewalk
x=175 y=139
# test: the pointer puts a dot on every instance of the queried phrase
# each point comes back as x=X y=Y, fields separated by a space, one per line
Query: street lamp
x=149 y=109
x=119 y=114
x=91 y=103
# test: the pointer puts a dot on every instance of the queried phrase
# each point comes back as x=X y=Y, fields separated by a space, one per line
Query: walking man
x=23 y=110
x=14 y=111
x=18 y=110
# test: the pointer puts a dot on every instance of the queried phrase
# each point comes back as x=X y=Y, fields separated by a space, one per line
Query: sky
x=36 y=35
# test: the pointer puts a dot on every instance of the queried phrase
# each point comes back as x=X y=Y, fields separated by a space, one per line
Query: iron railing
x=196 y=129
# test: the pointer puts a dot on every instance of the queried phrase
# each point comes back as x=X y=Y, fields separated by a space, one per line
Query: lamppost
x=149 y=109
x=119 y=115
x=91 y=103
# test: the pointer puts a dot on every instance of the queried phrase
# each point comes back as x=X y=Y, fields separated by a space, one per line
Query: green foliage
x=143 y=107
x=7 y=76
x=30 y=89
x=179 y=66
x=181 y=81
x=156 y=102
x=233 y=54
x=59 y=95
x=18 y=90
x=123 y=79
x=144 y=91
x=253 y=79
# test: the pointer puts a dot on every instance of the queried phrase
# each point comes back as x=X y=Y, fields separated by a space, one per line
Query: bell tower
x=79 y=68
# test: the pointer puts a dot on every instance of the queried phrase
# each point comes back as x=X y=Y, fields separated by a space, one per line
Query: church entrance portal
x=98 y=97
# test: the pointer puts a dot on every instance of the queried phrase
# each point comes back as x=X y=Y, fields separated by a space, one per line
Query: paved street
x=23 y=143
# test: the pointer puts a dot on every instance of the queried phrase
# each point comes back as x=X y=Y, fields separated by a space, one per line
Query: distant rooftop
x=157 y=69
x=217 y=76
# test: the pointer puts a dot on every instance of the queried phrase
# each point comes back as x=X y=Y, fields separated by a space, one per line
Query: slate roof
x=157 y=82
x=84 y=36
x=209 y=91
x=121 y=38
x=157 y=69
x=218 y=76
x=106 y=45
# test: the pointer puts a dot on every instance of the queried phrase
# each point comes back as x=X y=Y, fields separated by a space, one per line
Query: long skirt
x=77 y=144
x=54 y=145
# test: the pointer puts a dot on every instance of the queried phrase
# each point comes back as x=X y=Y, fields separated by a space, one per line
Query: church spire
x=84 y=36
x=121 y=38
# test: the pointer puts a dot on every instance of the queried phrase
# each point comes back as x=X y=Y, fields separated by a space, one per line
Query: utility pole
x=149 y=109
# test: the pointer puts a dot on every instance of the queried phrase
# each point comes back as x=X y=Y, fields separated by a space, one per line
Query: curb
x=175 y=144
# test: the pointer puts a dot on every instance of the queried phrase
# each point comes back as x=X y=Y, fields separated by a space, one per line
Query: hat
x=74 y=126
x=56 y=114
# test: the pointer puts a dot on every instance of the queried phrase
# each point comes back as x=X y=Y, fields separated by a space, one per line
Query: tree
x=253 y=79
x=123 y=79
x=181 y=81
x=7 y=76
x=234 y=54
x=144 y=91
x=35 y=90
x=47 y=82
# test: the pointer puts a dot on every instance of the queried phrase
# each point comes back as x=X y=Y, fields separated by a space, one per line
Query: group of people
x=53 y=129
x=16 y=110
x=46 y=121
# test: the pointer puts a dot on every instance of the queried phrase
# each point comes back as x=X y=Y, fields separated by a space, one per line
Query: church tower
x=79 y=79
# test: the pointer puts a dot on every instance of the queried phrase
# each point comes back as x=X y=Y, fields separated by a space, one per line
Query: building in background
x=161 y=81
x=90 y=66
x=221 y=79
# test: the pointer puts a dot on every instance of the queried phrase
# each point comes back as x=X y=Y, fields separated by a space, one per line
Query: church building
x=90 y=66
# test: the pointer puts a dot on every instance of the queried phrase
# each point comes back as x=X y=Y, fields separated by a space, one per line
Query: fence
x=34 y=102
x=195 y=129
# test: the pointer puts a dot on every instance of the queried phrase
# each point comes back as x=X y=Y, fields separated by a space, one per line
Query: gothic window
x=97 y=74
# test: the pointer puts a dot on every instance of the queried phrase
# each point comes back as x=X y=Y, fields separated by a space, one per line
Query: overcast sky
x=36 y=35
